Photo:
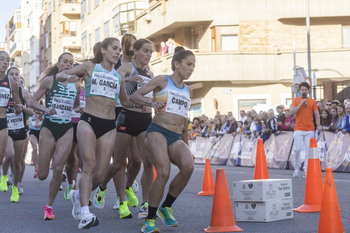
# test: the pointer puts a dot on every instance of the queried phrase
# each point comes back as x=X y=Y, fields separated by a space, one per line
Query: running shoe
x=135 y=186
x=99 y=198
x=20 y=189
x=143 y=211
x=296 y=173
x=166 y=214
x=14 y=197
x=68 y=189
x=88 y=220
x=304 y=174
x=132 y=199
x=61 y=188
x=117 y=204
x=3 y=184
x=124 y=211
x=48 y=214
x=76 y=205
x=149 y=226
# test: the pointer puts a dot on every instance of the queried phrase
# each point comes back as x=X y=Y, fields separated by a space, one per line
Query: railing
x=13 y=48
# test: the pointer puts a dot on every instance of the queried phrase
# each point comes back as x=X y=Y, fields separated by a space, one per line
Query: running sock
x=102 y=189
x=85 y=209
x=169 y=200
x=77 y=195
x=152 y=211
x=50 y=207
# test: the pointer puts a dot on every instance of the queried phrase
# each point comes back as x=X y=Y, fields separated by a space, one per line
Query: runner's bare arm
x=43 y=89
x=76 y=106
x=75 y=74
x=27 y=98
x=123 y=96
x=157 y=83
x=15 y=96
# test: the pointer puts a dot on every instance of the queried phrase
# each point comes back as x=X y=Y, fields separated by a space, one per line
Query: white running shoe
x=76 y=211
x=304 y=174
x=135 y=186
x=296 y=173
x=20 y=189
x=9 y=177
x=88 y=220
x=117 y=204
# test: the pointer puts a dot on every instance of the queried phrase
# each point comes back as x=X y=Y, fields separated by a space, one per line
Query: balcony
x=15 y=50
x=166 y=16
x=260 y=67
x=71 y=42
x=71 y=10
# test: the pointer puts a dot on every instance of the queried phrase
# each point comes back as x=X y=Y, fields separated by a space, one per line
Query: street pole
x=308 y=44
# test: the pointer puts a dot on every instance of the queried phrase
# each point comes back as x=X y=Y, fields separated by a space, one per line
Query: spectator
x=320 y=106
x=240 y=127
x=246 y=128
x=265 y=131
x=280 y=117
x=328 y=105
x=346 y=128
x=334 y=120
x=335 y=103
x=229 y=114
x=341 y=117
x=225 y=125
x=258 y=126
x=346 y=101
x=288 y=124
x=189 y=125
x=271 y=122
x=252 y=126
x=216 y=128
x=163 y=49
x=304 y=109
x=206 y=129
x=296 y=90
x=218 y=114
x=243 y=116
x=254 y=114
x=264 y=116
x=325 y=120
x=233 y=125
x=171 y=46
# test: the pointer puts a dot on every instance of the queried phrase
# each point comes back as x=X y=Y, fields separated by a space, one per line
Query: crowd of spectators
x=334 y=116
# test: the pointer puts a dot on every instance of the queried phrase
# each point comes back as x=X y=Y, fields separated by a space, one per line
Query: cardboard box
x=264 y=211
x=262 y=190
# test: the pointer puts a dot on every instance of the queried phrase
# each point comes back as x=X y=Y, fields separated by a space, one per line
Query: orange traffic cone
x=154 y=173
x=208 y=181
x=222 y=219
x=314 y=183
x=330 y=220
x=260 y=162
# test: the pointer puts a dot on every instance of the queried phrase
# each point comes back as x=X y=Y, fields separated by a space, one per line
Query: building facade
x=244 y=49
x=102 y=19
x=59 y=31
x=14 y=39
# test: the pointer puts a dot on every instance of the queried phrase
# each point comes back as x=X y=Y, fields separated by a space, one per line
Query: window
x=229 y=42
x=50 y=8
x=83 y=9
x=346 y=37
x=97 y=2
x=90 y=41
x=83 y=42
x=89 y=5
x=46 y=40
x=97 y=35
x=249 y=104
x=106 y=29
x=69 y=28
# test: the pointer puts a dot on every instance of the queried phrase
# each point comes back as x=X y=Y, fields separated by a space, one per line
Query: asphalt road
x=192 y=212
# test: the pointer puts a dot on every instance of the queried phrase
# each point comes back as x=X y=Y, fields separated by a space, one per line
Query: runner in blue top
x=96 y=128
x=7 y=87
x=167 y=137
x=56 y=132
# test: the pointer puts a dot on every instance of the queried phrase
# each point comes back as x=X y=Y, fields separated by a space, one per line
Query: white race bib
x=4 y=96
x=178 y=104
x=15 y=121
x=145 y=81
x=63 y=107
x=104 y=84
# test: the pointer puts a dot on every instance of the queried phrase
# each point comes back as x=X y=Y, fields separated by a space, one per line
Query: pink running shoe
x=48 y=214
x=35 y=174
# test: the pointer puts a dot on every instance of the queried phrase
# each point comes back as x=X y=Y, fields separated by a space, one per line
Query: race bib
x=145 y=81
x=4 y=96
x=178 y=104
x=104 y=85
x=15 y=121
x=63 y=107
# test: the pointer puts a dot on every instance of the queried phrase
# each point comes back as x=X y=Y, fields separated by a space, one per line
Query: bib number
x=104 y=85
x=63 y=107
x=178 y=104
x=4 y=96
x=15 y=121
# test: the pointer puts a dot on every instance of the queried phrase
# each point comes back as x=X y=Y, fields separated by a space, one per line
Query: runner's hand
x=135 y=78
x=52 y=111
x=73 y=78
x=157 y=105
